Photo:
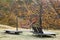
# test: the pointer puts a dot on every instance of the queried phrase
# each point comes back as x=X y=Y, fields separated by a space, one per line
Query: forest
x=28 y=11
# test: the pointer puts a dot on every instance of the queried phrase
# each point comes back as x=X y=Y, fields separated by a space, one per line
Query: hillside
x=27 y=10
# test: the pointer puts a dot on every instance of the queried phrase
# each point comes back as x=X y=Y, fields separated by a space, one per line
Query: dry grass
x=27 y=36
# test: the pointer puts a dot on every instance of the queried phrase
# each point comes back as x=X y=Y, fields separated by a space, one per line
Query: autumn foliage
x=28 y=11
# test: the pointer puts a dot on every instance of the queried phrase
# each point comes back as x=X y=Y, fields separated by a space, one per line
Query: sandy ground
x=27 y=35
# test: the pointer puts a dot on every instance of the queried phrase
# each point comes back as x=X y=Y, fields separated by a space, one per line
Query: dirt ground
x=27 y=35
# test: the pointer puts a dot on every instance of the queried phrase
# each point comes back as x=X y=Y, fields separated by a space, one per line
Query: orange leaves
x=24 y=10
